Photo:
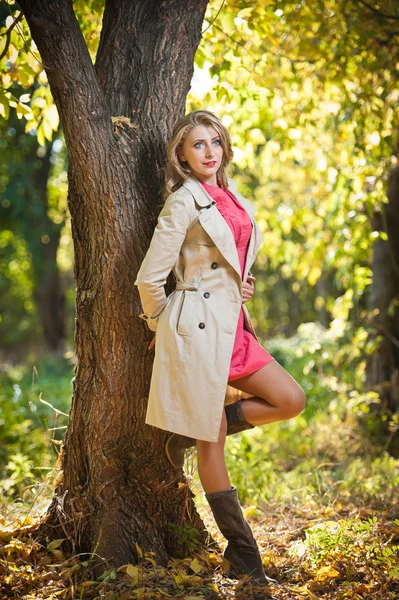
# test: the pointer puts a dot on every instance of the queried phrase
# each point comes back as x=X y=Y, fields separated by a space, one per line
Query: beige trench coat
x=196 y=323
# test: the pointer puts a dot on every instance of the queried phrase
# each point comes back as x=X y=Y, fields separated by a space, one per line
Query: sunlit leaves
x=314 y=101
x=21 y=66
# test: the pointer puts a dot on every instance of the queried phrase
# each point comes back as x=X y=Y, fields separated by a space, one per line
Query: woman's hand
x=152 y=343
x=248 y=288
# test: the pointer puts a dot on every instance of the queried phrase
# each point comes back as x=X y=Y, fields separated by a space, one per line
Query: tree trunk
x=383 y=366
x=117 y=487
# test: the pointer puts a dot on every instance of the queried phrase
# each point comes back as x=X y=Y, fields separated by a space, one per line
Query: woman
x=204 y=339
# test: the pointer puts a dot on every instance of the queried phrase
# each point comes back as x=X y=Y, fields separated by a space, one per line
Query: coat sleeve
x=161 y=256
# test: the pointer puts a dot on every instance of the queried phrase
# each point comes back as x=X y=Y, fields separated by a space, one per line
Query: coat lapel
x=217 y=228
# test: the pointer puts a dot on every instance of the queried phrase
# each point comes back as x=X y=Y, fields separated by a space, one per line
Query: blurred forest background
x=309 y=92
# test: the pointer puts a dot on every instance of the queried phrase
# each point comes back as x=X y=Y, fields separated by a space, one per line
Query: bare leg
x=276 y=395
x=212 y=468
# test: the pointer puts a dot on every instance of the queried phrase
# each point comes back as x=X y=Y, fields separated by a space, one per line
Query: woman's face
x=203 y=151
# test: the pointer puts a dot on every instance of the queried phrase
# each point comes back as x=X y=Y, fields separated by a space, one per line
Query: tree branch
x=80 y=101
x=8 y=34
x=378 y=12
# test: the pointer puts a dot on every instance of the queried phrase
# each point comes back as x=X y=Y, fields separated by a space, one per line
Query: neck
x=209 y=180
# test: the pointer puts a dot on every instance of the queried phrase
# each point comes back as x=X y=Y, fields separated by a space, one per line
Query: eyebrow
x=216 y=136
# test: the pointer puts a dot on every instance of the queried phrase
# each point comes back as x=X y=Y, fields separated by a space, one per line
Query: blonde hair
x=178 y=171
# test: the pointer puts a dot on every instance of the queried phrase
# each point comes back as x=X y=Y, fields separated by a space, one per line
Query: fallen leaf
x=327 y=572
x=133 y=572
x=55 y=544
x=195 y=566
x=139 y=551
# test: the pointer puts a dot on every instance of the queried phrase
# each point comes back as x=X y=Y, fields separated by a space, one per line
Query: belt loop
x=186 y=285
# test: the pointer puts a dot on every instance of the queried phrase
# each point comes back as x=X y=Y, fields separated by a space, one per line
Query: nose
x=209 y=151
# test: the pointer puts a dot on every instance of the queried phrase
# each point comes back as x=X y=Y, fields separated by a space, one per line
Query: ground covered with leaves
x=320 y=492
x=338 y=552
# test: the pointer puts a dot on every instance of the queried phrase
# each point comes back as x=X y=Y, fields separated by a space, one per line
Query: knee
x=295 y=403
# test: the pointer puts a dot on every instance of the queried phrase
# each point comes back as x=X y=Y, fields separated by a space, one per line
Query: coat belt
x=186 y=285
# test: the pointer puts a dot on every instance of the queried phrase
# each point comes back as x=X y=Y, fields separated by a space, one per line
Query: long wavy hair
x=178 y=171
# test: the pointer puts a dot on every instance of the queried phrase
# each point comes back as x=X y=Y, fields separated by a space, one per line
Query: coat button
x=201 y=325
x=214 y=265
x=206 y=295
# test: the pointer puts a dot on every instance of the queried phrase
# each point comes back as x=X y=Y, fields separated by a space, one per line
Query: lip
x=212 y=163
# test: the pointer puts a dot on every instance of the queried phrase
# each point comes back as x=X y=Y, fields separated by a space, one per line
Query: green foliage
x=29 y=428
x=188 y=538
x=21 y=67
x=33 y=211
x=18 y=474
x=329 y=542
x=18 y=317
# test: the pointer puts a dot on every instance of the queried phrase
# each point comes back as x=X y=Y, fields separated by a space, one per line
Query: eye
x=196 y=144
x=217 y=142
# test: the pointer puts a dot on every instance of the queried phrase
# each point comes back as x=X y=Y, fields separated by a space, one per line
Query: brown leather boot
x=176 y=444
x=241 y=555
x=235 y=418
x=175 y=447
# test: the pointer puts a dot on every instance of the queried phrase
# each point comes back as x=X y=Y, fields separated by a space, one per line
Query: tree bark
x=117 y=487
x=383 y=366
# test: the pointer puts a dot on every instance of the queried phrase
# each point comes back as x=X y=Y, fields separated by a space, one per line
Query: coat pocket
x=186 y=312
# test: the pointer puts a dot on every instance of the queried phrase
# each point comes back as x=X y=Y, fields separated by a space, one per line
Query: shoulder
x=179 y=196
x=178 y=205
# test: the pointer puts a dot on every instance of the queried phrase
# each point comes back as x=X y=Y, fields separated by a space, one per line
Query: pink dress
x=248 y=355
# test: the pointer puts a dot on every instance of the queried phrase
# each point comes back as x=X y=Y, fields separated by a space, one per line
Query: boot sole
x=231 y=572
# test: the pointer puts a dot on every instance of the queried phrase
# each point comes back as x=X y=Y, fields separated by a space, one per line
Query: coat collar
x=217 y=228
x=202 y=197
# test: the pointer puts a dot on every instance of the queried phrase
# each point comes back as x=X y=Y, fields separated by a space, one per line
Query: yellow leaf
x=250 y=511
x=178 y=579
x=304 y=591
x=87 y=583
x=23 y=109
x=55 y=544
x=40 y=136
x=51 y=115
x=47 y=129
x=139 y=551
x=133 y=572
x=195 y=566
x=6 y=533
x=314 y=274
x=327 y=572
